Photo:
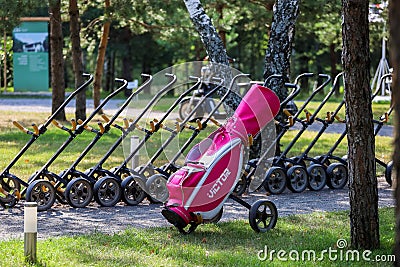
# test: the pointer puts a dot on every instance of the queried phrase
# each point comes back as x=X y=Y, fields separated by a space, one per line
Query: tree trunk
x=109 y=86
x=5 y=60
x=214 y=47
x=77 y=65
x=277 y=56
x=101 y=55
x=363 y=193
x=56 y=58
x=394 y=24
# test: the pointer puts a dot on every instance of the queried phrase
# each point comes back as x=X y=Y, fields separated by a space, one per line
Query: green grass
x=222 y=244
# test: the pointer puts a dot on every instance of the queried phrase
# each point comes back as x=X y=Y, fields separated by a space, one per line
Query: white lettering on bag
x=218 y=183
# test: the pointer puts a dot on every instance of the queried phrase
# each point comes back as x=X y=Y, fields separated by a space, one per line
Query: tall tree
x=77 y=64
x=101 y=54
x=363 y=193
x=394 y=24
x=277 y=56
x=214 y=47
x=56 y=58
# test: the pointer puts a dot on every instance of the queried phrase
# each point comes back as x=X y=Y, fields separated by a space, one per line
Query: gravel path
x=64 y=220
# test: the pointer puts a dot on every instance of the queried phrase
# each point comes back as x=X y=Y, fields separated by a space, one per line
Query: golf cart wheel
x=107 y=191
x=263 y=216
x=216 y=218
x=388 y=173
x=297 y=179
x=337 y=176
x=43 y=193
x=10 y=184
x=8 y=201
x=186 y=107
x=157 y=188
x=79 y=192
x=275 y=180
x=132 y=193
x=241 y=186
x=317 y=177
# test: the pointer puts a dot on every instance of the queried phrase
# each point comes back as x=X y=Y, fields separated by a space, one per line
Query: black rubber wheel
x=185 y=108
x=10 y=184
x=263 y=216
x=241 y=186
x=157 y=188
x=337 y=176
x=297 y=179
x=132 y=193
x=316 y=177
x=79 y=192
x=43 y=193
x=275 y=180
x=388 y=173
x=107 y=191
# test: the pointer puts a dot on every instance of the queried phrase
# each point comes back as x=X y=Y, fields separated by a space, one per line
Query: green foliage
x=156 y=34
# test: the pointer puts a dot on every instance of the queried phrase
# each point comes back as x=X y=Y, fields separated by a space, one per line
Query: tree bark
x=56 y=58
x=363 y=193
x=77 y=65
x=277 y=56
x=215 y=49
x=101 y=55
x=394 y=24
x=279 y=50
x=5 y=61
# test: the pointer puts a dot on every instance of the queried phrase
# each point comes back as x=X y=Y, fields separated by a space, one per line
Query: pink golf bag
x=198 y=190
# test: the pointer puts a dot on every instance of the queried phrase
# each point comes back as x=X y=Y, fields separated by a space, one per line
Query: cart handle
x=251 y=139
x=104 y=116
x=165 y=127
x=35 y=129
x=290 y=118
x=308 y=116
x=339 y=119
x=22 y=128
x=73 y=123
x=328 y=117
x=101 y=126
x=107 y=120
x=287 y=113
x=87 y=127
x=126 y=123
x=213 y=120
x=385 y=118
x=153 y=128
x=177 y=127
x=59 y=125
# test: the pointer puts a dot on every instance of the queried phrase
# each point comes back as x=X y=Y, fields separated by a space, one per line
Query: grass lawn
x=222 y=244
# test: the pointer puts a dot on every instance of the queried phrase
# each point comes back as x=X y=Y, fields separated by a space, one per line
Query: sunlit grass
x=222 y=244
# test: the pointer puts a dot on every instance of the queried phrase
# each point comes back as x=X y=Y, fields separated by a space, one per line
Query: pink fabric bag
x=198 y=190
